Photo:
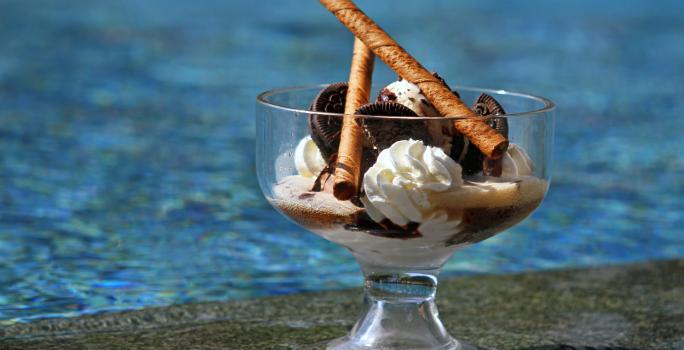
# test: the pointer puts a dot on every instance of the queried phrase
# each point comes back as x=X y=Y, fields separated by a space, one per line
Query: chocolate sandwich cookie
x=383 y=132
x=465 y=153
x=325 y=129
x=487 y=106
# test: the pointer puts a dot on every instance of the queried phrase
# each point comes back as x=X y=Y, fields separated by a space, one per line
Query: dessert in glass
x=402 y=177
x=421 y=199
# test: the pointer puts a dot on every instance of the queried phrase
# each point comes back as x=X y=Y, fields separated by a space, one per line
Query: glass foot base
x=401 y=314
x=345 y=343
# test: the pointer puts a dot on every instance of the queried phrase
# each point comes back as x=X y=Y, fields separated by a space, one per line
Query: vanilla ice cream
x=308 y=159
x=516 y=162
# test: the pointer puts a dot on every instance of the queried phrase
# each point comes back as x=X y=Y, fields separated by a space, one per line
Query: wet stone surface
x=619 y=307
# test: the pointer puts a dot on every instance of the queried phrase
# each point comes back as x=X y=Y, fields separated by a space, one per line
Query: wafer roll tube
x=348 y=168
x=491 y=143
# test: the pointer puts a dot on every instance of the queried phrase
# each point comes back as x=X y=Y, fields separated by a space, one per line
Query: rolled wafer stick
x=490 y=142
x=348 y=168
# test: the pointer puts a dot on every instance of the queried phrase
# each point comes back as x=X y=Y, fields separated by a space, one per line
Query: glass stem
x=401 y=314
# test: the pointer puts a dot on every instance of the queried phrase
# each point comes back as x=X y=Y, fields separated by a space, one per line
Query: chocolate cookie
x=487 y=106
x=325 y=129
x=445 y=83
x=383 y=132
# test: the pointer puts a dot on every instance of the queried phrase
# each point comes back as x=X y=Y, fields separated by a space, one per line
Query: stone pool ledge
x=638 y=306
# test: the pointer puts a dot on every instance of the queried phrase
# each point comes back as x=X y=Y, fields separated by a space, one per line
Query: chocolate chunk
x=326 y=176
x=434 y=74
x=492 y=167
x=325 y=130
x=383 y=132
x=386 y=95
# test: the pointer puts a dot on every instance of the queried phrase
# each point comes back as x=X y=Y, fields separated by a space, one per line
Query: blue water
x=127 y=140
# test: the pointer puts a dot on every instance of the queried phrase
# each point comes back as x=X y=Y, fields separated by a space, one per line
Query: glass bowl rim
x=548 y=105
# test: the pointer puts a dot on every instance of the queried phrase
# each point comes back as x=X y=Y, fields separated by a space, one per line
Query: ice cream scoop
x=516 y=162
x=408 y=94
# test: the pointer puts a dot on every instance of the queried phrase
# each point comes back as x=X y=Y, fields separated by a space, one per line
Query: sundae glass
x=424 y=190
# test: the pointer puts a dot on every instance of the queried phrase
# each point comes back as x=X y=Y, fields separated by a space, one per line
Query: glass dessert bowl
x=425 y=191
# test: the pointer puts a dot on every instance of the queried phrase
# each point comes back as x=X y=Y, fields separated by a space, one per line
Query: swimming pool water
x=127 y=140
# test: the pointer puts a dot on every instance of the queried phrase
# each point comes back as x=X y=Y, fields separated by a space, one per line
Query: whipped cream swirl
x=400 y=184
x=308 y=159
